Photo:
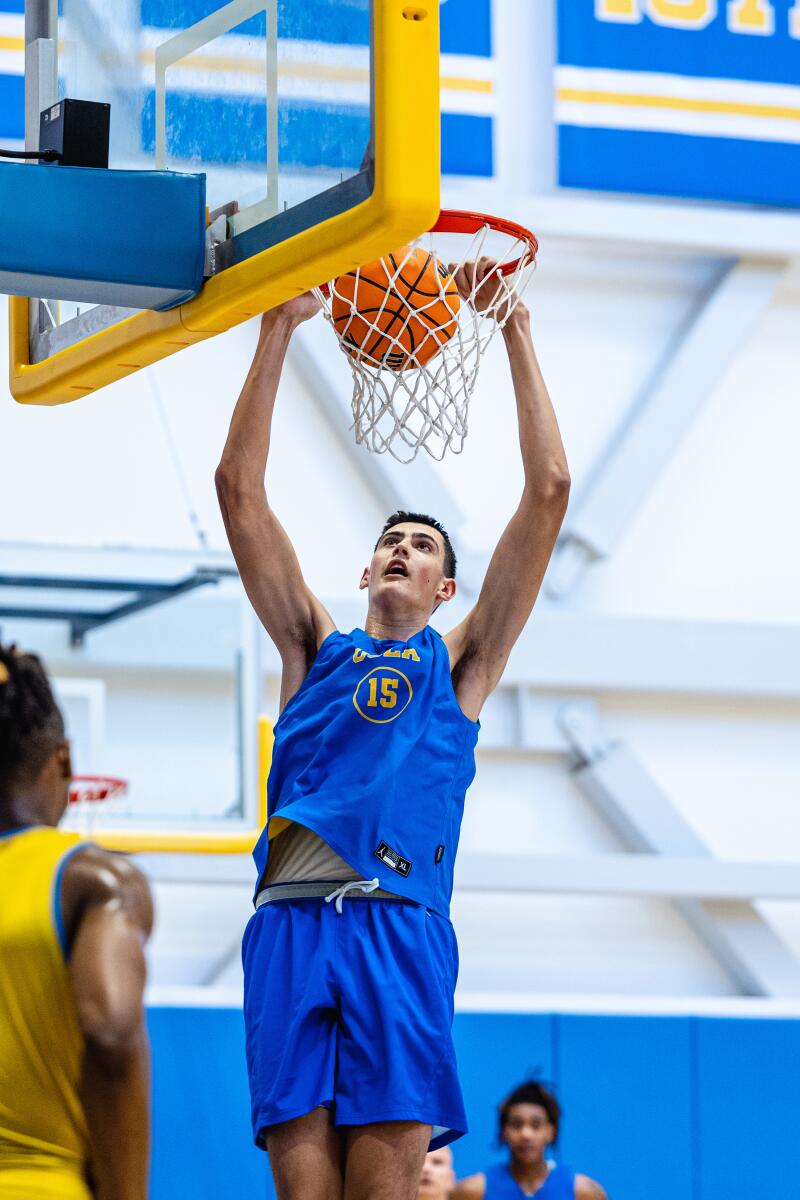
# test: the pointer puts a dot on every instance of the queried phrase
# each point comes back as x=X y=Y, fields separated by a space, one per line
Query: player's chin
x=397 y=583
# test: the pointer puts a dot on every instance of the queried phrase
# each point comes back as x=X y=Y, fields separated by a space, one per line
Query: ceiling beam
x=660 y=419
x=645 y=819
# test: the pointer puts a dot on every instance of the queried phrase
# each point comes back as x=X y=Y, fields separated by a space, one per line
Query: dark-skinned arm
x=479 y=647
x=292 y=616
x=108 y=915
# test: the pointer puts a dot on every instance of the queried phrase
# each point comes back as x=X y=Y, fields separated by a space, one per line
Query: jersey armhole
x=333 y=633
x=55 y=900
x=476 y=725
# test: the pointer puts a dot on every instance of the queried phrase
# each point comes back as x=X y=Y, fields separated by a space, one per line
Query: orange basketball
x=397 y=312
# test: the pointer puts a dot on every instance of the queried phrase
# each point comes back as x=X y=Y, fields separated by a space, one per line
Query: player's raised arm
x=479 y=647
x=108 y=915
x=292 y=616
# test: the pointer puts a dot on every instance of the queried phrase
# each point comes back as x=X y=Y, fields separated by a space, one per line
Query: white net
x=415 y=325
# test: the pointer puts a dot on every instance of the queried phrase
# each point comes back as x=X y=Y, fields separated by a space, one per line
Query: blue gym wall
x=656 y=1107
x=755 y=160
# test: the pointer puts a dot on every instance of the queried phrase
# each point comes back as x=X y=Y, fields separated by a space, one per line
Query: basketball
x=397 y=312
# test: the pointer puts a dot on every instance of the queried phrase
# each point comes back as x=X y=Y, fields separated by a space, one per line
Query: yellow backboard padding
x=176 y=841
x=404 y=202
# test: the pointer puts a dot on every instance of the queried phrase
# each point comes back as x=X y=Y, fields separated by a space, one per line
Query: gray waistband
x=319 y=889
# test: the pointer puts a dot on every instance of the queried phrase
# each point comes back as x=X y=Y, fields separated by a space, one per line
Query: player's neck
x=530 y=1176
x=394 y=627
x=17 y=811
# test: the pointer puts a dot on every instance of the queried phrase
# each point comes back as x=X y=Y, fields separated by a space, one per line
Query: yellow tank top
x=43 y=1132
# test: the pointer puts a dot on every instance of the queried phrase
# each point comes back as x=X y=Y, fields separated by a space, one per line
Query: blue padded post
x=135 y=239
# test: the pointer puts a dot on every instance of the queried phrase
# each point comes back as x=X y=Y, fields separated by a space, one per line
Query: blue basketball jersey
x=374 y=755
x=501 y=1185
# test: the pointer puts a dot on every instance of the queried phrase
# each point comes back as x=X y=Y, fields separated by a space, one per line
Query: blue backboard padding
x=748 y=1078
x=625 y=1084
x=126 y=228
x=714 y=52
x=656 y=1108
x=201 y=1108
x=673 y=164
x=495 y=1052
x=12 y=107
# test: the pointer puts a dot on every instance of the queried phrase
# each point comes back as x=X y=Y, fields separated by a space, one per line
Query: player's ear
x=64 y=759
x=364 y=582
x=447 y=590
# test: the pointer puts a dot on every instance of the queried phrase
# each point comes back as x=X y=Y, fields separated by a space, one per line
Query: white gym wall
x=684 y=638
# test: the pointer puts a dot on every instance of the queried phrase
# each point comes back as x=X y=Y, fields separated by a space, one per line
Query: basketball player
x=529 y=1120
x=438 y=1177
x=74 y=1074
x=350 y=958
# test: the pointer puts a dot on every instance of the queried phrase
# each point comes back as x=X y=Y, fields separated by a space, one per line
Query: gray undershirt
x=297 y=855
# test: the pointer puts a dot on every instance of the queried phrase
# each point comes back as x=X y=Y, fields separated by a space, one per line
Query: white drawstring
x=342 y=891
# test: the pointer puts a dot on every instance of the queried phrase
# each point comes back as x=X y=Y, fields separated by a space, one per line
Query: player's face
x=408 y=563
x=528 y=1132
x=438 y=1177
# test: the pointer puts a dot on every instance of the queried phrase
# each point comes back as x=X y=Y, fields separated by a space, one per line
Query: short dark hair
x=531 y=1092
x=31 y=724
x=401 y=516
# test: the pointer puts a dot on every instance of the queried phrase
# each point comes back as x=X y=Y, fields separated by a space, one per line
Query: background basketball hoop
x=92 y=799
x=423 y=402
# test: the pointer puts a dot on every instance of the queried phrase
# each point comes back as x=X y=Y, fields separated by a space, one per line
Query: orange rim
x=453 y=220
x=95 y=787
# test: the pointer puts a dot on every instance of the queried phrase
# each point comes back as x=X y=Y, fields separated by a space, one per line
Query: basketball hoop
x=417 y=404
x=91 y=799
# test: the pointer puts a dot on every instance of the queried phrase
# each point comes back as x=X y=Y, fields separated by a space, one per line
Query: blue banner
x=686 y=98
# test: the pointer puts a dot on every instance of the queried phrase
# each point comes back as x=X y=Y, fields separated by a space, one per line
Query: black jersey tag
x=439 y=855
x=392 y=859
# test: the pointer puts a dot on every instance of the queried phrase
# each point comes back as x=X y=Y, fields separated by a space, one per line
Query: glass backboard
x=271 y=101
x=304 y=119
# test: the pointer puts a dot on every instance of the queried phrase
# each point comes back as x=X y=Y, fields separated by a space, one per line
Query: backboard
x=148 y=695
x=305 y=116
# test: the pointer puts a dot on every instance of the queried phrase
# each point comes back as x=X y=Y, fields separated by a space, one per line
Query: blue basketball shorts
x=351 y=1011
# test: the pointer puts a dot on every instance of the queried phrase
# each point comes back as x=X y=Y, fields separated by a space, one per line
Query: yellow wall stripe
x=684 y=104
x=307 y=70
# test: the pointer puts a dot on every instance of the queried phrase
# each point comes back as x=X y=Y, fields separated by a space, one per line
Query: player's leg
x=291 y=1019
x=305 y=1155
x=396 y=1080
x=384 y=1161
